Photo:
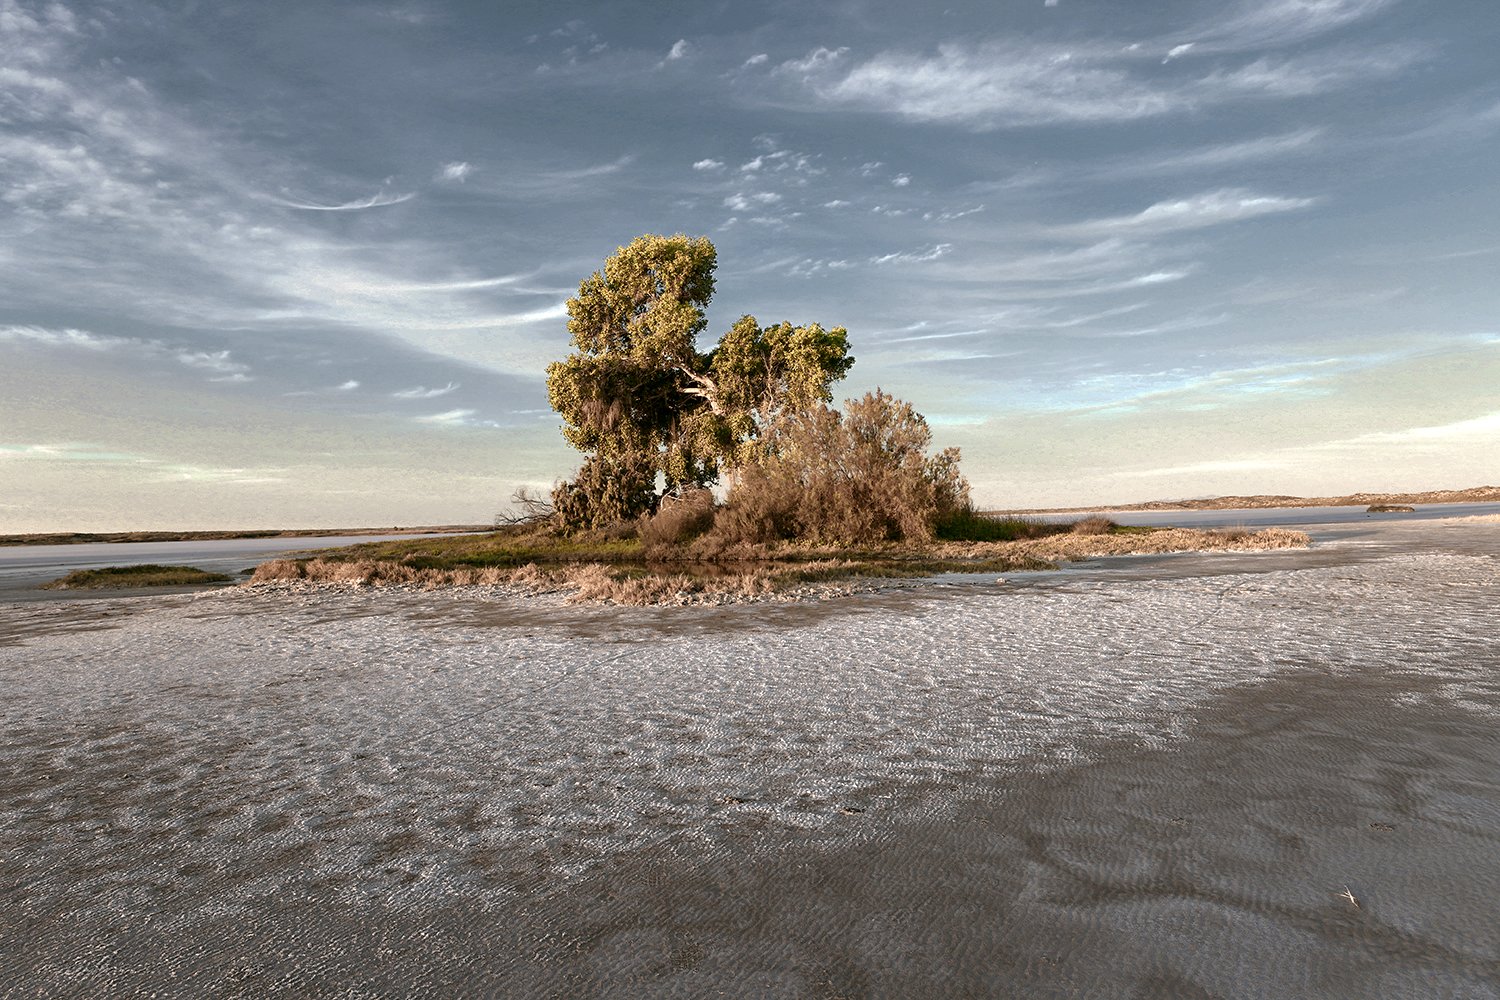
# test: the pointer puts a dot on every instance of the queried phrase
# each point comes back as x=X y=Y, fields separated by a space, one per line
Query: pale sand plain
x=1271 y=774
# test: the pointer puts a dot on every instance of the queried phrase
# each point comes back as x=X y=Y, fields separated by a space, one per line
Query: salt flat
x=1263 y=775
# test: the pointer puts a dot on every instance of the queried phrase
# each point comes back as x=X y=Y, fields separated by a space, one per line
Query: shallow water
x=1153 y=781
x=24 y=568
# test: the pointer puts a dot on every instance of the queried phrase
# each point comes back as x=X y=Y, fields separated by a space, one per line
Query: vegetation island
x=729 y=473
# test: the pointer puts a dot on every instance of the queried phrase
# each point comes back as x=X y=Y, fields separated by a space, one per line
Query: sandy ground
x=1156 y=780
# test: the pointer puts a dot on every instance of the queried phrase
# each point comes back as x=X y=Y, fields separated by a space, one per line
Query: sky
x=304 y=263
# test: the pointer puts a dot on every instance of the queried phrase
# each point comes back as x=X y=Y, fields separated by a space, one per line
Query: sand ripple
x=193 y=765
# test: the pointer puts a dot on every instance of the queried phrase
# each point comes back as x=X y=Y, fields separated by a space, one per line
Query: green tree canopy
x=652 y=413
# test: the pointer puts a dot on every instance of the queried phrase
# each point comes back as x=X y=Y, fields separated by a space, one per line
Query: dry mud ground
x=1194 y=776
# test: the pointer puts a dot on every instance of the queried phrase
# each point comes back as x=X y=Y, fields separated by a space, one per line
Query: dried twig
x=533 y=508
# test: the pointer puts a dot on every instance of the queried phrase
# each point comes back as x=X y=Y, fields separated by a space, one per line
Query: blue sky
x=305 y=263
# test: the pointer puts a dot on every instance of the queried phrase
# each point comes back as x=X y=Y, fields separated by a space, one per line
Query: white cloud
x=951 y=214
x=349 y=386
x=837 y=203
x=1209 y=209
x=994 y=85
x=1180 y=325
x=901 y=180
x=447 y=417
x=455 y=171
x=1224 y=154
x=914 y=256
x=380 y=200
x=679 y=50
x=709 y=165
x=1482 y=428
x=1301 y=76
x=159 y=469
x=1262 y=23
x=742 y=202
x=760 y=58
x=1013 y=82
x=407 y=14
x=69 y=452
x=816 y=61
x=219 y=363
x=422 y=392
x=1472 y=437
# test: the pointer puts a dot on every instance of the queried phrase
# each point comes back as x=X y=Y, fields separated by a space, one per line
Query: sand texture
x=1073 y=785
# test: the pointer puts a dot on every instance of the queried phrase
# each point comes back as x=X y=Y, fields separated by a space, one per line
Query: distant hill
x=1476 y=494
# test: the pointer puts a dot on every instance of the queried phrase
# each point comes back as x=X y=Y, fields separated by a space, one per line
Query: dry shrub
x=1094 y=526
x=278 y=570
x=367 y=572
x=1075 y=546
x=596 y=582
x=677 y=521
x=530 y=575
x=861 y=477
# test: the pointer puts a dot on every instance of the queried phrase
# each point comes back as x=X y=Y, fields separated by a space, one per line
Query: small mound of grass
x=149 y=575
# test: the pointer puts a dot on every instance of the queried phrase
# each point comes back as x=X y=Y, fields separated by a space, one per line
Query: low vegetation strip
x=122 y=577
x=1074 y=546
x=625 y=571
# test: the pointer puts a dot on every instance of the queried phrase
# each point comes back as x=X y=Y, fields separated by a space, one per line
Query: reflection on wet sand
x=1278 y=778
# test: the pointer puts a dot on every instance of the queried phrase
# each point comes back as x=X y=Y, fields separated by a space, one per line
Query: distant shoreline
x=87 y=537
x=1476 y=494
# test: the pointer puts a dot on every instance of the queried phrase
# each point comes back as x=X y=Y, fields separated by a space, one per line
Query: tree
x=654 y=415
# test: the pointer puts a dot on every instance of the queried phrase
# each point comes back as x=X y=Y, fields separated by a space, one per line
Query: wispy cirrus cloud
x=1470 y=436
x=990 y=86
x=380 y=200
x=1305 y=75
x=1227 y=154
x=450 y=418
x=1006 y=82
x=913 y=256
x=422 y=392
x=1199 y=211
x=154 y=468
x=189 y=241
x=1252 y=24
x=221 y=366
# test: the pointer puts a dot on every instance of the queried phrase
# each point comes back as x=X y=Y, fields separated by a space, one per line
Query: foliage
x=968 y=525
x=678 y=520
x=147 y=575
x=862 y=476
x=653 y=415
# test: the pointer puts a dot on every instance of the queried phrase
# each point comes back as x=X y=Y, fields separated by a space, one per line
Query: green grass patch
x=121 y=577
x=972 y=526
x=507 y=548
